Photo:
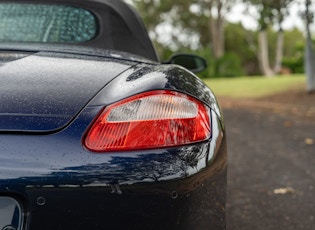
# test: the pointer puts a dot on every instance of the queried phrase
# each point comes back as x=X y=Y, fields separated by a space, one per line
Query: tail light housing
x=154 y=119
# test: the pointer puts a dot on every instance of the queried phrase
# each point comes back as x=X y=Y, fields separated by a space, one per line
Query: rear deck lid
x=44 y=91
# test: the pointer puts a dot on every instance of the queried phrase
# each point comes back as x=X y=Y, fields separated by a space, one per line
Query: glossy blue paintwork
x=54 y=90
x=45 y=170
x=55 y=178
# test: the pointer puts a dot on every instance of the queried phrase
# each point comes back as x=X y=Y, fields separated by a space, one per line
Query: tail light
x=153 y=119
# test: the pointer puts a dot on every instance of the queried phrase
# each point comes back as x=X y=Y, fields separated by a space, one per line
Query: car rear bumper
x=197 y=202
x=179 y=188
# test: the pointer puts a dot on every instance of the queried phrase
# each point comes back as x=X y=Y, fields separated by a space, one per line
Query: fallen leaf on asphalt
x=309 y=141
x=287 y=124
x=283 y=190
x=311 y=112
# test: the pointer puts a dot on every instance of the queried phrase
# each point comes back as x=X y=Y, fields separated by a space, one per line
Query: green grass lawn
x=254 y=87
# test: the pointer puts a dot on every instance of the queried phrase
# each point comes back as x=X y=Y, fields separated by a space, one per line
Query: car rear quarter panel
x=61 y=185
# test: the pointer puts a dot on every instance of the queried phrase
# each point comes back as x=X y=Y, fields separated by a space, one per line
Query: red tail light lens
x=150 y=120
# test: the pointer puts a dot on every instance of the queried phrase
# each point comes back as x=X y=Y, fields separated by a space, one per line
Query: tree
x=309 y=52
x=281 y=11
x=264 y=20
x=270 y=11
x=188 y=18
x=200 y=26
x=216 y=10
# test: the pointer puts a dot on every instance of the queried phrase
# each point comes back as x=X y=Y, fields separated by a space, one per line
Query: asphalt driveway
x=271 y=171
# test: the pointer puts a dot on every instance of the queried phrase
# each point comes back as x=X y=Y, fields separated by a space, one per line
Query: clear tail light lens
x=149 y=120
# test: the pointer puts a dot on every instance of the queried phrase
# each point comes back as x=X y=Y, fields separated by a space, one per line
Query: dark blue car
x=96 y=133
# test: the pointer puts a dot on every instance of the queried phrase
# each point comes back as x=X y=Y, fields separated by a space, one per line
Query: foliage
x=229 y=66
x=294 y=52
x=243 y=43
x=293 y=42
x=183 y=26
x=294 y=65
x=270 y=11
x=175 y=15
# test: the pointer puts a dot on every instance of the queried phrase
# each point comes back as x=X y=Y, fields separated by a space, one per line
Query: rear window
x=21 y=22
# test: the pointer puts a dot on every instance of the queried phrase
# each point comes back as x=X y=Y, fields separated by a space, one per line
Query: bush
x=296 y=65
x=229 y=66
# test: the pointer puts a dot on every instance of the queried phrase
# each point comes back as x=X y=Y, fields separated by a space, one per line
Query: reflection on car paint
x=11 y=216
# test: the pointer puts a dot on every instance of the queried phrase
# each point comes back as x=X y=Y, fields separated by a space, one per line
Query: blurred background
x=237 y=37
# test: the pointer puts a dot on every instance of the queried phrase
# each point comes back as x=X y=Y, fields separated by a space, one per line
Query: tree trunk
x=217 y=32
x=263 y=54
x=309 y=54
x=279 y=52
x=309 y=65
x=217 y=37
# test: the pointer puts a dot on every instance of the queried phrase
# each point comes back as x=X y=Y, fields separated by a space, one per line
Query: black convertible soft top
x=119 y=25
